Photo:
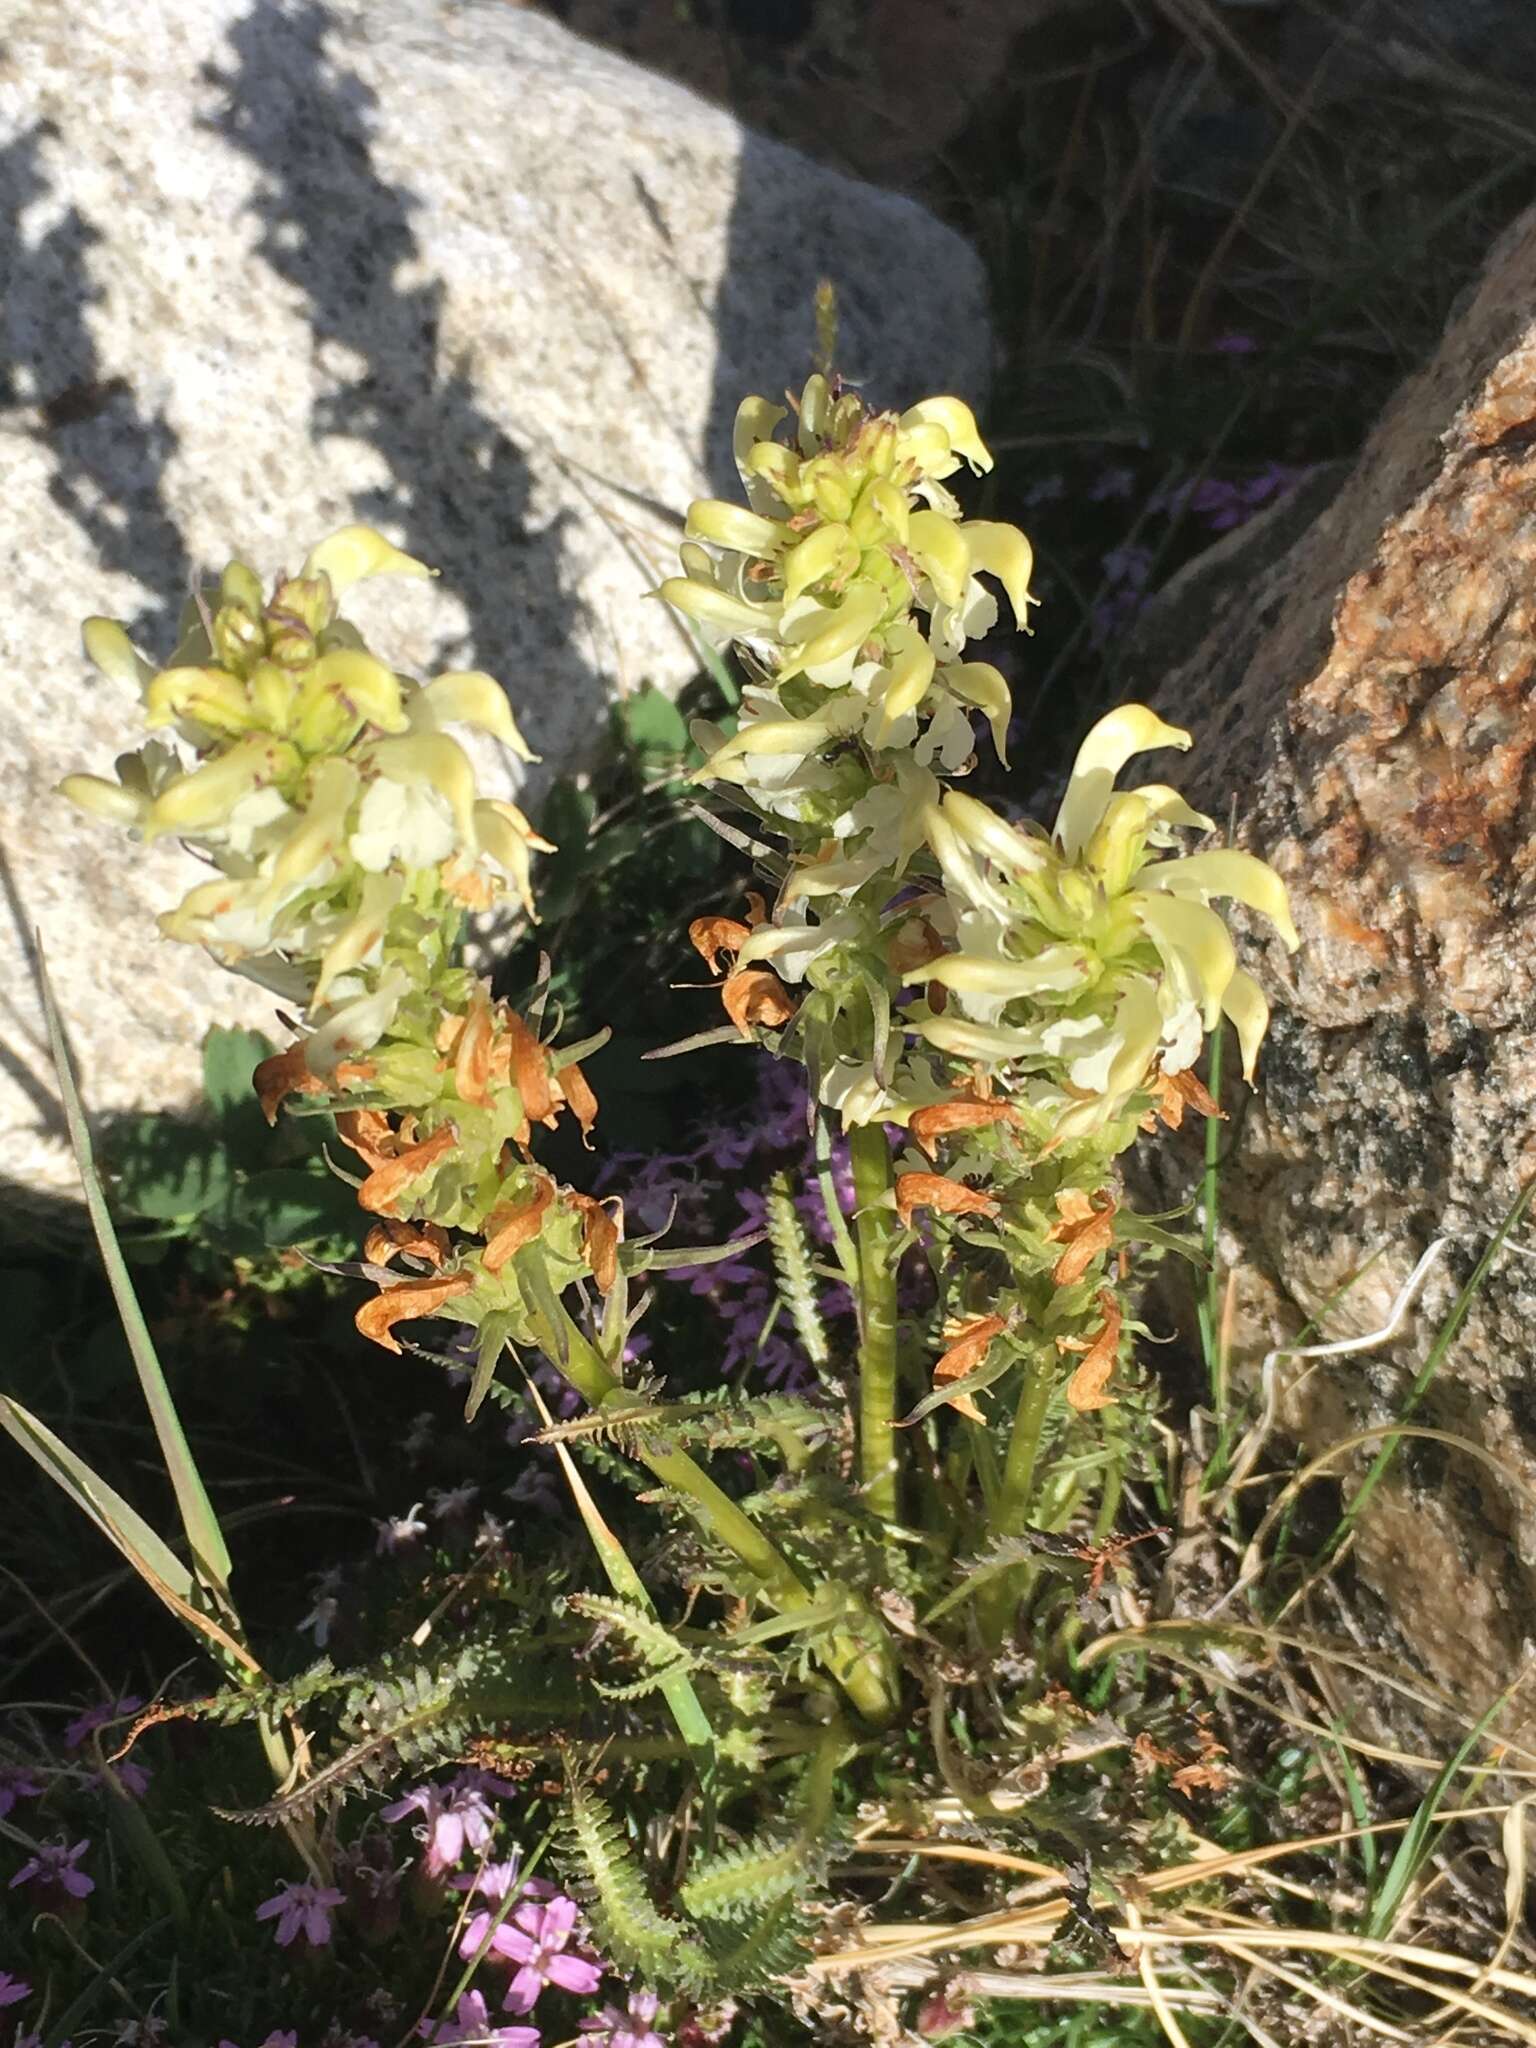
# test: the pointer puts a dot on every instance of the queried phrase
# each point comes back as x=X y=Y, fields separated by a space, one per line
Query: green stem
x=859 y=1654
x=837 y=1223
x=997 y=1602
x=876 y=1226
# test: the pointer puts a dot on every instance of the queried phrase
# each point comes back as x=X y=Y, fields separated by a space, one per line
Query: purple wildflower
x=536 y=1940
x=474 y=2024
x=452 y=1504
x=629 y=2029
x=1234 y=344
x=301 y=1909
x=399 y=1532
x=455 y=1816
x=16 y=1782
x=97 y=1717
x=324 y=1590
x=12 y=1989
x=55 y=1865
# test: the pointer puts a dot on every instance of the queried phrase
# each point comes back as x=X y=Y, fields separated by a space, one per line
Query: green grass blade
x=209 y=1552
x=676 y=1687
x=125 y=1529
x=1416 y=1844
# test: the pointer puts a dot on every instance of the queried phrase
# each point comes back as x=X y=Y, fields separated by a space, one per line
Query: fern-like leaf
x=630 y=1928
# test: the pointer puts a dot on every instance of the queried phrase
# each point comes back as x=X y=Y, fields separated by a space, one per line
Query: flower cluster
x=341 y=817
x=1025 y=998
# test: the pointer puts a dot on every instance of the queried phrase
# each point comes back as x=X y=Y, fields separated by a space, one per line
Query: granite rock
x=267 y=266
x=1367 y=692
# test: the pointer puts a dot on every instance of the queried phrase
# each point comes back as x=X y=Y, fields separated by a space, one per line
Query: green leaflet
x=630 y=1928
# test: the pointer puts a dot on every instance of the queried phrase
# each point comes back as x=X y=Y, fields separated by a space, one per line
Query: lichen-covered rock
x=1368 y=696
x=269 y=266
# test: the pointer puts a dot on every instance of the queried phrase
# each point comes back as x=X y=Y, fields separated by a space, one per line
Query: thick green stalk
x=876 y=1226
x=997 y=1602
x=857 y=1655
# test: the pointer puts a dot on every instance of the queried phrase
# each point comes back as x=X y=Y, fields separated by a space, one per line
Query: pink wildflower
x=474 y=2024
x=631 y=2029
x=301 y=1909
x=455 y=1816
x=536 y=1940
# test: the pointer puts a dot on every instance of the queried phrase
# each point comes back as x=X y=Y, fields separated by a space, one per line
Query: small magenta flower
x=536 y=1940
x=630 y=2029
x=16 y=1782
x=12 y=1989
x=54 y=1865
x=301 y=1909
x=474 y=2024
x=456 y=1816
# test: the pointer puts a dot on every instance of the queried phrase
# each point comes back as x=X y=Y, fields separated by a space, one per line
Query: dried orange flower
x=933 y=1191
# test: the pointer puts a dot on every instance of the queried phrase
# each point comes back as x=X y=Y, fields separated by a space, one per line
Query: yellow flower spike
x=910 y=671
x=1119 y=840
x=712 y=606
x=1197 y=937
x=755 y=421
x=940 y=549
x=776 y=468
x=239 y=584
x=189 y=921
x=1131 y=729
x=207 y=696
x=769 y=736
x=1002 y=551
x=365 y=685
x=204 y=798
x=1168 y=808
x=1055 y=969
x=958 y=424
x=1139 y=1026
x=469 y=697
x=815 y=411
x=698 y=563
x=829 y=551
x=112 y=653
x=102 y=799
x=981 y=828
x=953 y=855
x=826 y=480
x=432 y=760
x=881 y=515
x=274 y=696
x=1243 y=1004
x=321 y=833
x=830 y=634
x=359 y=936
x=970 y=1041
x=979 y=683
x=504 y=835
x=1228 y=872
x=356 y=552
x=732 y=526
